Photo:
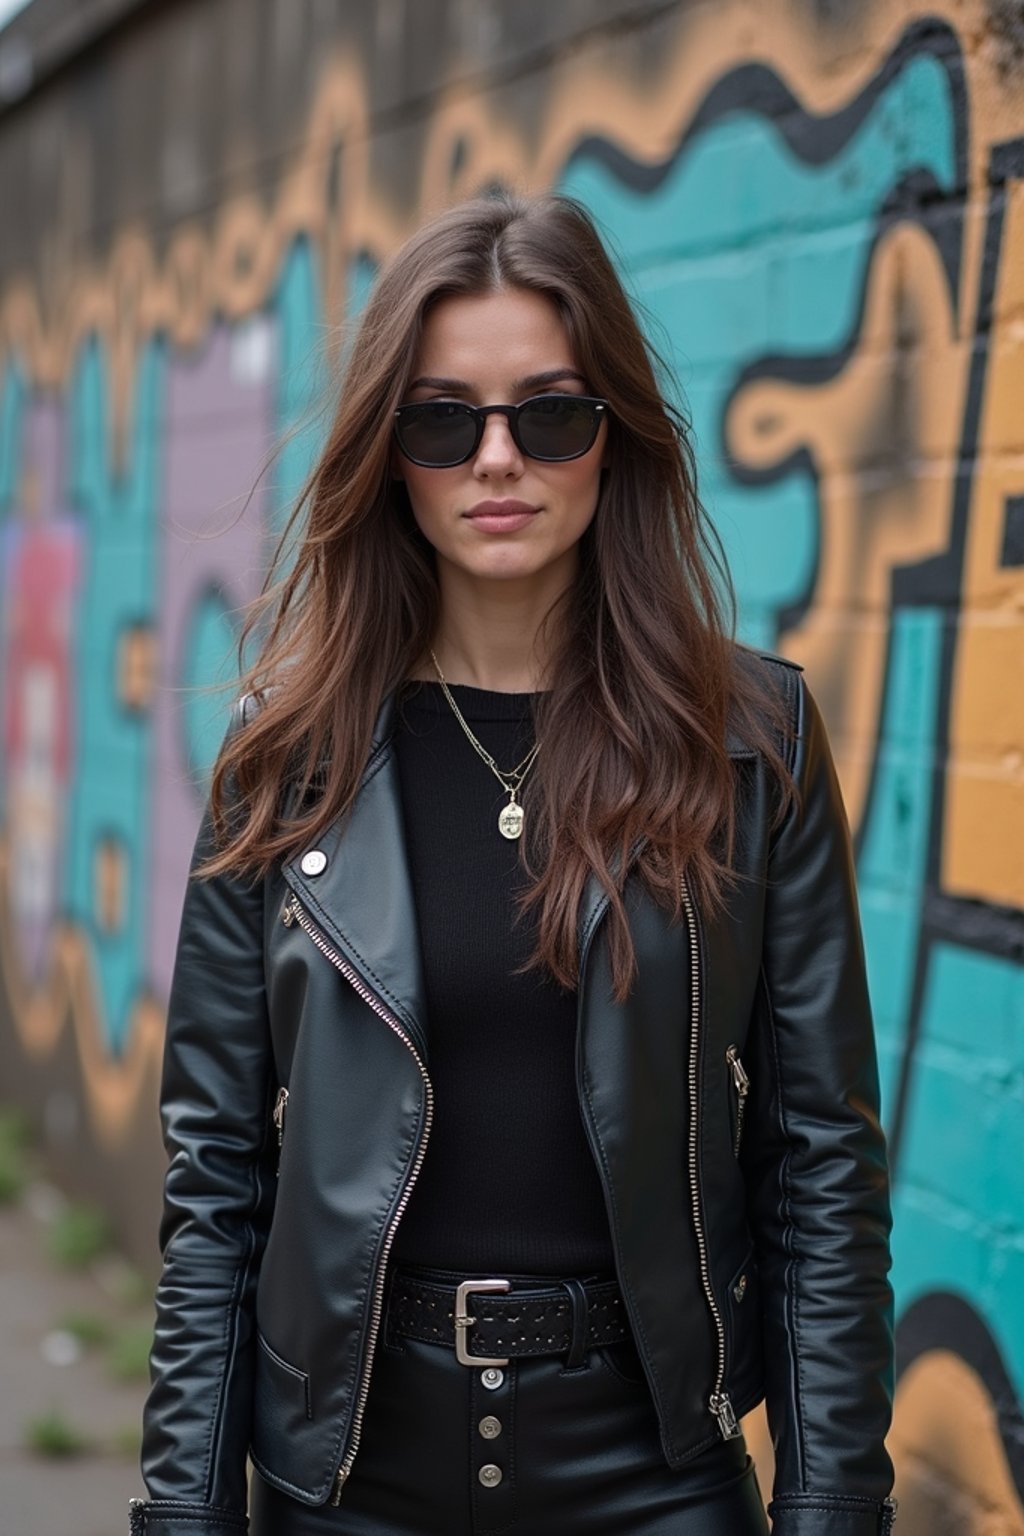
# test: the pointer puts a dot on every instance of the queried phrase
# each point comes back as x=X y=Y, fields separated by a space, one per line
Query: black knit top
x=508 y=1185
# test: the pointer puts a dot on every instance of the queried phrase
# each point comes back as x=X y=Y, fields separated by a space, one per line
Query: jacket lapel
x=358 y=890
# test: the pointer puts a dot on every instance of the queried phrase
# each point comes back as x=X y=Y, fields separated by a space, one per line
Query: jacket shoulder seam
x=787 y=678
x=774 y=658
x=793 y=686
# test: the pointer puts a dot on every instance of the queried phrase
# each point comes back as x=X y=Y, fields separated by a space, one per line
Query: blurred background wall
x=822 y=208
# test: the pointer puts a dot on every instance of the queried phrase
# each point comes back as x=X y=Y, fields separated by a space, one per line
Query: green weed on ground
x=53 y=1435
x=79 y=1234
x=88 y=1328
x=15 y=1142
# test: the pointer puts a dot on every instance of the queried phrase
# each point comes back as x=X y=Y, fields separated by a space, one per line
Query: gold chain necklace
x=511 y=816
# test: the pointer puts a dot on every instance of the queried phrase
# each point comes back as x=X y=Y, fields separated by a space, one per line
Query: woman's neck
x=494 y=638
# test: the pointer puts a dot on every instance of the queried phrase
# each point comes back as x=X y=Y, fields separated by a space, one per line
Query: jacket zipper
x=719 y=1402
x=742 y=1084
x=295 y=912
x=280 y=1105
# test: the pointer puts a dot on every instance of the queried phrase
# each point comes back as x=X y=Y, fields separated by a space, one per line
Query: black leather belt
x=487 y=1323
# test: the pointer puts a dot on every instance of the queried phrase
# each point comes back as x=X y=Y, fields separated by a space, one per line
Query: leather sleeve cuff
x=812 y=1514
x=169 y=1517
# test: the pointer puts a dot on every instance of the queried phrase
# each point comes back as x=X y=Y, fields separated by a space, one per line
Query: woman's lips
x=501 y=516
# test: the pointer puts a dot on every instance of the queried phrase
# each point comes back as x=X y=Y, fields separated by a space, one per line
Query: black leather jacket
x=748 y=1196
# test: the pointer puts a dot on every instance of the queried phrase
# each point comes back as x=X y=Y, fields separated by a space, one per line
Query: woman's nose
x=497 y=453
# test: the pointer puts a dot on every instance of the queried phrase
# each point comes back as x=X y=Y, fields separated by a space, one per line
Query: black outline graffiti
x=814 y=139
x=1011 y=550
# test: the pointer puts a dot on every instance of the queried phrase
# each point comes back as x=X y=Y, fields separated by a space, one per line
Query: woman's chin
x=510 y=561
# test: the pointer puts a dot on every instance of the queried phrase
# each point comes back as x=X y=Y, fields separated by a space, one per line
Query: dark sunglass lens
x=558 y=427
x=438 y=432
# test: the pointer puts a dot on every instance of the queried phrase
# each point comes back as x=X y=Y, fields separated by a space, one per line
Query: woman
x=519 y=1086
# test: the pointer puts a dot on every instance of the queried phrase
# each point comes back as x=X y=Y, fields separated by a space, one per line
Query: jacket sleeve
x=818 y=1172
x=218 y=1198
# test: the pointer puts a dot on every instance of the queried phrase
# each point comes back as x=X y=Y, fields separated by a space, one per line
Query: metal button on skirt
x=532 y=1448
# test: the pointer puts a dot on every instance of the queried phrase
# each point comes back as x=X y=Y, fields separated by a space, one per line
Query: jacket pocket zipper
x=741 y=1083
x=280 y=1106
x=719 y=1402
x=294 y=912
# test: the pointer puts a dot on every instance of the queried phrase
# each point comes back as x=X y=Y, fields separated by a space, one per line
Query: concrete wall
x=822 y=208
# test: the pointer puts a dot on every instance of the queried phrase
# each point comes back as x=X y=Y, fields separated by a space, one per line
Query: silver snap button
x=490 y=1427
x=314 y=862
x=490 y=1475
x=492 y=1378
x=739 y=1289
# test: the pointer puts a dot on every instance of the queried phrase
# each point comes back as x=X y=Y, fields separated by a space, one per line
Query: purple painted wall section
x=218 y=424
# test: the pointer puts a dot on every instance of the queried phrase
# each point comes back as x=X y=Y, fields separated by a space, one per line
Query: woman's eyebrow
x=531 y=381
x=451 y=386
x=551 y=376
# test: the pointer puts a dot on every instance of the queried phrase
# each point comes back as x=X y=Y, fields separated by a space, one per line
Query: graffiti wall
x=821 y=212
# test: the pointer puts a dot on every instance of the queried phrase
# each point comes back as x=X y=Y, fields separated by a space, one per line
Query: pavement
x=45 y=1371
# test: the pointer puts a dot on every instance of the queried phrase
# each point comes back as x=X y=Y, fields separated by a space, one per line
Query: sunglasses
x=438 y=434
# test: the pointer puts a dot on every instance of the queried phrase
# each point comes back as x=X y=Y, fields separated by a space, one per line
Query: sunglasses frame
x=480 y=413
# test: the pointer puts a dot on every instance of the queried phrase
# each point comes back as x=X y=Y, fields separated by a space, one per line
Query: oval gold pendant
x=510 y=820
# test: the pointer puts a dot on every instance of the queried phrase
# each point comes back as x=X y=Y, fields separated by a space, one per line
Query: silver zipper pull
x=279 y=1108
x=728 y=1424
x=290 y=911
x=739 y=1074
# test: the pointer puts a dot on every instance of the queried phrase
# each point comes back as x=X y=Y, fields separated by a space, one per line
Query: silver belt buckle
x=463 y=1320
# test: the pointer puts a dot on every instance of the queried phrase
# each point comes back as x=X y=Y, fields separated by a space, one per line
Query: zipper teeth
x=698 y=1223
x=299 y=915
x=742 y=1086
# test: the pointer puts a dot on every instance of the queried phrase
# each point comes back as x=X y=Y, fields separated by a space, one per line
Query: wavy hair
x=633 y=774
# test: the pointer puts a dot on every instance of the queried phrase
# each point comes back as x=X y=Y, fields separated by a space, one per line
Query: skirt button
x=490 y=1427
x=490 y=1475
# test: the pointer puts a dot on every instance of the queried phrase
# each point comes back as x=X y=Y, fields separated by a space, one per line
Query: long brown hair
x=634 y=771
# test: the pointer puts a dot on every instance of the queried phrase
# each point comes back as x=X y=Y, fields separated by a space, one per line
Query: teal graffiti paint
x=894 y=843
x=12 y=407
x=302 y=382
x=209 y=660
x=110 y=803
x=958 y=1202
